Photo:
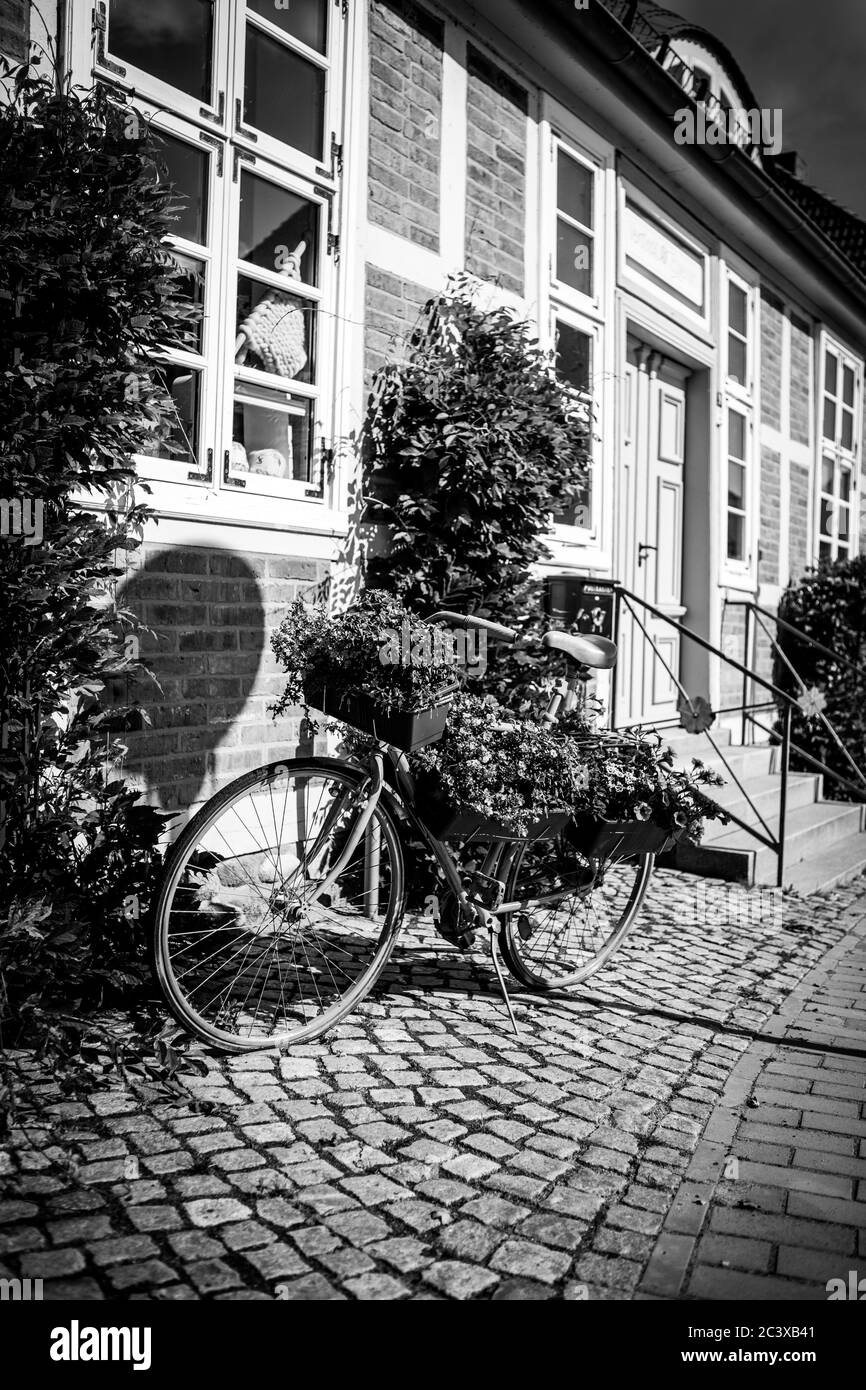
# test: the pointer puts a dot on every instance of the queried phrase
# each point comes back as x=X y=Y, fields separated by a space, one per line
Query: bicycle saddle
x=599 y=652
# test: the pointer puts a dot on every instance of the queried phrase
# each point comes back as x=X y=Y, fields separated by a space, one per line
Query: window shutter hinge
x=228 y=480
x=334 y=245
x=344 y=7
x=336 y=157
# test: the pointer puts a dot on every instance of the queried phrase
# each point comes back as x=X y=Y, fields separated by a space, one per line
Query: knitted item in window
x=276 y=334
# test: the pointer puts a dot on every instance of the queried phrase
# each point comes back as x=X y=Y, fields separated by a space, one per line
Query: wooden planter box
x=619 y=839
x=405 y=729
x=446 y=823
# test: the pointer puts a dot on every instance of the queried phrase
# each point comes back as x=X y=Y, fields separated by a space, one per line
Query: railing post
x=783 y=795
x=614 y=675
x=746 y=653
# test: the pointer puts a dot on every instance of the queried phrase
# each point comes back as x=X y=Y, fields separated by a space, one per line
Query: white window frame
x=212 y=491
x=740 y=573
x=843 y=458
x=575 y=534
x=559 y=290
x=744 y=391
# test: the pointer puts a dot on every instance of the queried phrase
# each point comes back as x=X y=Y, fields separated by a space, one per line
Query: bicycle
x=282 y=901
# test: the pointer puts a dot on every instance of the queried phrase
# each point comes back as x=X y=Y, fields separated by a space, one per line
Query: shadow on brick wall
x=213 y=676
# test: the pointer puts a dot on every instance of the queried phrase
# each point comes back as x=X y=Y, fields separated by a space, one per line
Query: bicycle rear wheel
x=246 y=953
x=557 y=943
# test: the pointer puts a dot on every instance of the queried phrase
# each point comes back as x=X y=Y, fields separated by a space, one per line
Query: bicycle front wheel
x=576 y=913
x=249 y=951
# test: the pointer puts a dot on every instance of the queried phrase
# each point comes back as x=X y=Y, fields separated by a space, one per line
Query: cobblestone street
x=690 y=1125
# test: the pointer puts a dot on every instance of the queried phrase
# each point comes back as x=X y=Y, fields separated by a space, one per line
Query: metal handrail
x=781 y=700
x=753 y=610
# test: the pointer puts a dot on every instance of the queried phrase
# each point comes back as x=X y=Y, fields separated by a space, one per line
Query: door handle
x=643 y=551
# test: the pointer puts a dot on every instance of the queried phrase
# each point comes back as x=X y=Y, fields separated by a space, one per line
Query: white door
x=650 y=533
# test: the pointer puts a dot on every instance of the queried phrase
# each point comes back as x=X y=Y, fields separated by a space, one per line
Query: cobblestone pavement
x=636 y=1139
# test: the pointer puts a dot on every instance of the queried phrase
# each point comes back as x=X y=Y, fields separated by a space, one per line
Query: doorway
x=650 y=531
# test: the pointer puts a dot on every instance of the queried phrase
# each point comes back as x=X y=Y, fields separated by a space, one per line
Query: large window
x=739 y=509
x=246 y=104
x=575 y=262
x=738 y=487
x=839 y=454
x=574 y=363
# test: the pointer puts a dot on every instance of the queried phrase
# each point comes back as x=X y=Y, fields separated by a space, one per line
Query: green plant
x=516 y=771
x=470 y=445
x=828 y=605
x=378 y=648
x=87 y=290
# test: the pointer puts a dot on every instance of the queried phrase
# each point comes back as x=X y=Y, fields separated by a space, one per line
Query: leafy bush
x=472 y=443
x=354 y=653
x=829 y=606
x=86 y=288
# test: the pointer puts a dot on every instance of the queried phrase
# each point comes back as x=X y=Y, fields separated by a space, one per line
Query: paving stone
x=214 y=1211
x=458 y=1280
x=277 y=1261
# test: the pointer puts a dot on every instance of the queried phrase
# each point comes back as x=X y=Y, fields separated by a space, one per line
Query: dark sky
x=808 y=58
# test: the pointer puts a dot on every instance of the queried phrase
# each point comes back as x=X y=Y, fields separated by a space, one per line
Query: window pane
x=848 y=385
x=847 y=429
x=573 y=355
x=192 y=290
x=737 y=486
x=276 y=329
x=284 y=95
x=574 y=253
x=828 y=469
x=830 y=373
x=845 y=484
x=825 y=551
x=736 y=359
x=737 y=309
x=275 y=225
x=826 y=522
x=171 y=39
x=829 y=419
x=186 y=170
x=303 y=19
x=736 y=536
x=736 y=434
x=271 y=442
x=183 y=386
x=574 y=189
x=844 y=524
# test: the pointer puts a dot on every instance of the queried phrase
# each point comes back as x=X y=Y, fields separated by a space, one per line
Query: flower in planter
x=520 y=773
x=343 y=654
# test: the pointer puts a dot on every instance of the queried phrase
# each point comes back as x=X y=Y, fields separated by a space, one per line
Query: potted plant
x=378 y=667
x=612 y=795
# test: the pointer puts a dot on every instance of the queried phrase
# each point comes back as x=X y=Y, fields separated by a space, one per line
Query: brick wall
x=392 y=309
x=496 y=175
x=771 y=362
x=405 y=121
x=799 y=529
x=801 y=381
x=14 y=28
x=768 y=564
x=212 y=613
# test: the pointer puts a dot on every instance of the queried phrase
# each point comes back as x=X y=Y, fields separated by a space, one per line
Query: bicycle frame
x=568 y=694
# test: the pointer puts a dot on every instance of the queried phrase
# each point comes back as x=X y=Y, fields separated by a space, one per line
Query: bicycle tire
x=192 y=841
x=529 y=955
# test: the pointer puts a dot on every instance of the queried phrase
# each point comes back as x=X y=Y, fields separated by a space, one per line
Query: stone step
x=803 y=790
x=812 y=832
x=834 y=866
